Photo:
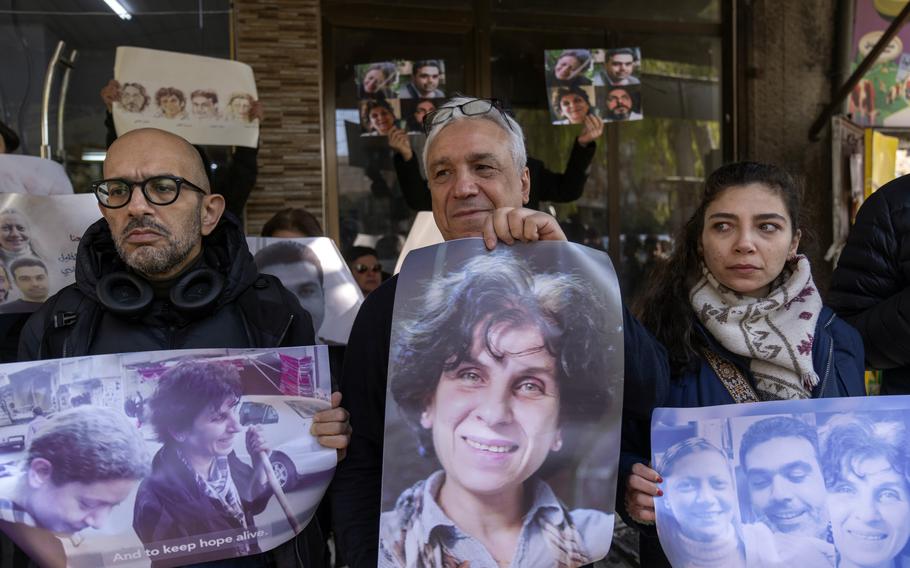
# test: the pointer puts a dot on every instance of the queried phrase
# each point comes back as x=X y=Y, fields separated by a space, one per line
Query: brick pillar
x=281 y=40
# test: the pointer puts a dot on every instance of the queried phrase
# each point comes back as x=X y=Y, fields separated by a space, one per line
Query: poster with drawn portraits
x=314 y=271
x=39 y=237
x=809 y=483
x=602 y=82
x=206 y=100
x=163 y=458
x=398 y=94
x=504 y=401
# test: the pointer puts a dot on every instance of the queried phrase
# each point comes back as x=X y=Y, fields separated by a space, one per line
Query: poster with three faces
x=811 y=483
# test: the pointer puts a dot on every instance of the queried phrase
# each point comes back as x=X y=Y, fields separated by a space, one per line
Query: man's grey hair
x=501 y=119
x=88 y=444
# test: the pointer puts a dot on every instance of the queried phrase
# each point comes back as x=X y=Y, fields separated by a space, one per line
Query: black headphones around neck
x=128 y=295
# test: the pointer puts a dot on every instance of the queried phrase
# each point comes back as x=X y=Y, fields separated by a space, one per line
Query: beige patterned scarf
x=776 y=332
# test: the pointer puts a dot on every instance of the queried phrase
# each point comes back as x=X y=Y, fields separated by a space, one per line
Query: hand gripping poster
x=39 y=236
x=162 y=458
x=808 y=483
x=314 y=271
x=504 y=402
x=206 y=100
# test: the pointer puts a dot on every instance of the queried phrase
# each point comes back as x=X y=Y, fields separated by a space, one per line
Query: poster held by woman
x=814 y=483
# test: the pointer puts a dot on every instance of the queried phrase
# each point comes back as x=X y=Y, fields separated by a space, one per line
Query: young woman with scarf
x=741 y=318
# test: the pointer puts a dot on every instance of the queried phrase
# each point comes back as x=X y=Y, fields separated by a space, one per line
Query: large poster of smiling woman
x=808 y=483
x=206 y=100
x=502 y=415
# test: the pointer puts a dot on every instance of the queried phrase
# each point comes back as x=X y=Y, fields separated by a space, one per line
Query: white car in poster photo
x=285 y=423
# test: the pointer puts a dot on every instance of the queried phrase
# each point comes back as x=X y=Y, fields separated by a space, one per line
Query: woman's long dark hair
x=664 y=307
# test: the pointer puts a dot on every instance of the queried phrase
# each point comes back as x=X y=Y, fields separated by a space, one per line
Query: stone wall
x=281 y=40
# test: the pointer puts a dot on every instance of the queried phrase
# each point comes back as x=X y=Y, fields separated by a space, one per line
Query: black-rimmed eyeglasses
x=473 y=107
x=158 y=190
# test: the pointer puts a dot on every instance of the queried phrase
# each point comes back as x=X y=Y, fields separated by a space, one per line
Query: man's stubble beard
x=155 y=260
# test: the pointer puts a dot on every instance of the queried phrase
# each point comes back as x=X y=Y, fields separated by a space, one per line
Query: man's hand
x=508 y=224
x=398 y=140
x=110 y=93
x=641 y=489
x=592 y=130
x=332 y=427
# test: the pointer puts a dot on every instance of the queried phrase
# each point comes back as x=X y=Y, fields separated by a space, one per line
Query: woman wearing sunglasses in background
x=365 y=267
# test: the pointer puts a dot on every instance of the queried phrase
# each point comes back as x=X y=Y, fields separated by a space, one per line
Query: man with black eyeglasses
x=168 y=268
x=479 y=183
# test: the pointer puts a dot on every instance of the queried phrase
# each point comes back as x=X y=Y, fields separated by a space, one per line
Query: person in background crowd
x=735 y=268
x=870 y=287
x=292 y=223
x=365 y=267
x=546 y=185
x=424 y=81
x=163 y=232
x=477 y=164
x=235 y=182
x=9 y=140
x=38 y=419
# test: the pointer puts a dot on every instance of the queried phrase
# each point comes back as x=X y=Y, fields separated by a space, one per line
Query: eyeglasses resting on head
x=473 y=107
